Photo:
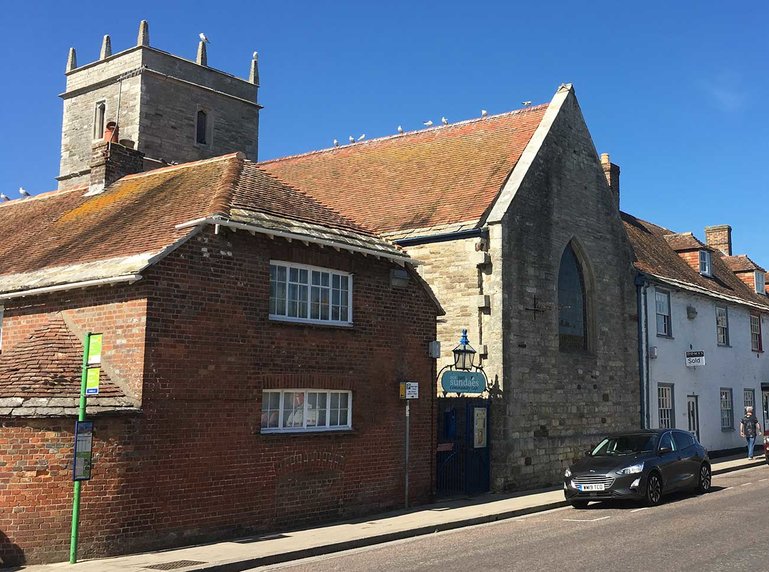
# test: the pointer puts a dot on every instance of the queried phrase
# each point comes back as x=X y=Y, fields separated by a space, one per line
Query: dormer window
x=706 y=268
x=760 y=282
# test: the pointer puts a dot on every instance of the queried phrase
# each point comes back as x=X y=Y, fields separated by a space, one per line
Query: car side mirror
x=665 y=450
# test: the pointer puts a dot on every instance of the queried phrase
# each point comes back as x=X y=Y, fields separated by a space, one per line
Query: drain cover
x=174 y=565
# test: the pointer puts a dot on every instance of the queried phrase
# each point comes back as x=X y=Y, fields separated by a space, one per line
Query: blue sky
x=672 y=90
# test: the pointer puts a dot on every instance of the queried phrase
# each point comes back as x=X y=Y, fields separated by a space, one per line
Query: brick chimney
x=111 y=161
x=611 y=172
x=720 y=237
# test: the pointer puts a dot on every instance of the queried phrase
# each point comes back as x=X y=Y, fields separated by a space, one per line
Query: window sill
x=727 y=429
x=667 y=336
x=306 y=322
x=724 y=345
x=306 y=433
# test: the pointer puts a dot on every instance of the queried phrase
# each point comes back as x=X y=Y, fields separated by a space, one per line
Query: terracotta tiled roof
x=421 y=179
x=741 y=263
x=685 y=241
x=22 y=374
x=656 y=257
x=67 y=236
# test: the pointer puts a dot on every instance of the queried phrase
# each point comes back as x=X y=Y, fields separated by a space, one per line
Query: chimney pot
x=111 y=132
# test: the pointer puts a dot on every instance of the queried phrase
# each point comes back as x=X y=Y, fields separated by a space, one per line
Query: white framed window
x=665 y=405
x=706 y=268
x=760 y=282
x=727 y=409
x=662 y=299
x=756 y=343
x=722 y=325
x=301 y=293
x=99 y=114
x=302 y=410
x=749 y=397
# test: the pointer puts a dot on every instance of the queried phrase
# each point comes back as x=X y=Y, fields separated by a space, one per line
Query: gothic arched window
x=572 y=303
x=201 y=128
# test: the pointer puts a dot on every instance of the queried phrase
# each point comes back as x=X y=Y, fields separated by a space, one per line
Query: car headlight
x=567 y=474
x=631 y=470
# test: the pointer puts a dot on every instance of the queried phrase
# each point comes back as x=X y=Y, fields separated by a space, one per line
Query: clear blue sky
x=672 y=90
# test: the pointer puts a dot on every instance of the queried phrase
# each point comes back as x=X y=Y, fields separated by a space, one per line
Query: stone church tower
x=170 y=109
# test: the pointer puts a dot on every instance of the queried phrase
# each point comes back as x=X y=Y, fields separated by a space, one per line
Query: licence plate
x=586 y=488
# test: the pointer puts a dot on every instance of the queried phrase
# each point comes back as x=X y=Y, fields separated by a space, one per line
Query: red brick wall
x=193 y=465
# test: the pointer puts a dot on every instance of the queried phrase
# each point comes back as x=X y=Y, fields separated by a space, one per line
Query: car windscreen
x=626 y=445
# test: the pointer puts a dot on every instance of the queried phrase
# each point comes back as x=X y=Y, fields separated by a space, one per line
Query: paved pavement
x=246 y=553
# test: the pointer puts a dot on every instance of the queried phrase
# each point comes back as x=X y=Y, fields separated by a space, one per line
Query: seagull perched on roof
x=362 y=137
x=525 y=103
x=255 y=56
x=351 y=139
x=4 y=197
x=444 y=121
x=205 y=40
x=400 y=129
x=336 y=143
x=484 y=113
x=23 y=192
x=428 y=123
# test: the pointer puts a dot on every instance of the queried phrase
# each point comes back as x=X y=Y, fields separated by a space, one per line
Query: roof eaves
x=308 y=233
x=704 y=291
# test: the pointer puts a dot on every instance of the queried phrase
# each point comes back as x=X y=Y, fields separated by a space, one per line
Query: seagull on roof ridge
x=4 y=197
x=203 y=38
x=427 y=123
x=336 y=143
x=444 y=121
x=526 y=103
x=400 y=129
x=362 y=137
x=255 y=56
x=351 y=139
x=23 y=192
x=484 y=113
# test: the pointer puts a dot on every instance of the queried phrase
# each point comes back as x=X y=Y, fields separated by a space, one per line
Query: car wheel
x=704 y=480
x=579 y=503
x=653 y=490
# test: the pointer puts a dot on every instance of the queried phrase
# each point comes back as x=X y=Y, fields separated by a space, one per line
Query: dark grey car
x=640 y=465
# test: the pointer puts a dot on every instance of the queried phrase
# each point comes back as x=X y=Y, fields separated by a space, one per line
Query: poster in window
x=479 y=427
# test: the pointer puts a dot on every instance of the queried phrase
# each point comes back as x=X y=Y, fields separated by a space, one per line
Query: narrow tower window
x=202 y=128
x=572 y=322
x=98 y=120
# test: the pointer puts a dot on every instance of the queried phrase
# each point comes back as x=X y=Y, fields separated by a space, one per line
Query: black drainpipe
x=641 y=285
x=457 y=235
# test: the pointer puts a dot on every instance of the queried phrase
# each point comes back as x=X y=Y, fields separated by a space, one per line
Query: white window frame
x=726 y=403
x=760 y=282
x=284 y=423
x=722 y=328
x=308 y=288
x=667 y=319
x=756 y=339
x=706 y=263
x=749 y=397
x=666 y=405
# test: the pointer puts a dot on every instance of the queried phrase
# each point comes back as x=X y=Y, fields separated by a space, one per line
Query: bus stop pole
x=80 y=417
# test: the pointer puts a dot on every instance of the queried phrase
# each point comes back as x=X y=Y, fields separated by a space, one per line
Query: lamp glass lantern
x=464 y=354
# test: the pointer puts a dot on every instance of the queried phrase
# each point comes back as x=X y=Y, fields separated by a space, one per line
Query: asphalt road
x=726 y=529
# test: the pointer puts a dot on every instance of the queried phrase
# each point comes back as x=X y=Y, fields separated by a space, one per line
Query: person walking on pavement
x=749 y=428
